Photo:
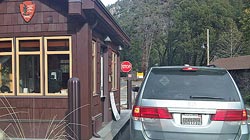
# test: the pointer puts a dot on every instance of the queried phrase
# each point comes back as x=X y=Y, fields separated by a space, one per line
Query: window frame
x=114 y=71
x=12 y=54
x=46 y=53
x=94 y=68
x=21 y=53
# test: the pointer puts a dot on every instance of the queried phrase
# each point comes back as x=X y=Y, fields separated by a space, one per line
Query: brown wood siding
x=57 y=106
x=109 y=82
x=97 y=106
x=32 y=115
x=82 y=70
x=36 y=113
x=52 y=18
x=103 y=13
x=119 y=83
x=35 y=130
x=116 y=93
x=97 y=112
x=106 y=103
x=98 y=67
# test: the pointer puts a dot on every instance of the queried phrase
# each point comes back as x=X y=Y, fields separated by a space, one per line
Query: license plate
x=191 y=119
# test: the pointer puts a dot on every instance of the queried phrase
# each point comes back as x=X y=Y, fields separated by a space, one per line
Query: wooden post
x=129 y=91
x=74 y=130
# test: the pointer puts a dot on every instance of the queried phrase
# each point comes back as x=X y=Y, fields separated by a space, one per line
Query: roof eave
x=104 y=15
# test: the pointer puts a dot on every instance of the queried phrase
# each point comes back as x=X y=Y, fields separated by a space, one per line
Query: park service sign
x=27 y=9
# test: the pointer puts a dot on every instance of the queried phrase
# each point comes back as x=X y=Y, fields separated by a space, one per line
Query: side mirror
x=135 y=89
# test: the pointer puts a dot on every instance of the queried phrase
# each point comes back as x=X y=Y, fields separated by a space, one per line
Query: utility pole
x=208 y=47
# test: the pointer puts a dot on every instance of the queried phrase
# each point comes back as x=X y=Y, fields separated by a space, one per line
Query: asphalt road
x=124 y=134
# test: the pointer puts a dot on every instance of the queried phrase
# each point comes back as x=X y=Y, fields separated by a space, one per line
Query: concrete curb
x=112 y=129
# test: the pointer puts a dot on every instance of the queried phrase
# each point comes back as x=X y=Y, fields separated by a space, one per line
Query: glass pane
x=29 y=74
x=6 y=83
x=174 y=84
x=58 y=45
x=29 y=45
x=5 y=46
x=58 y=73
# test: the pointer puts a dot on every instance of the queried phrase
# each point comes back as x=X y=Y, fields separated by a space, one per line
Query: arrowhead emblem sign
x=27 y=9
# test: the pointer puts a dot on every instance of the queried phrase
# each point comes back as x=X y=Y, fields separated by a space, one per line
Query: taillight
x=189 y=69
x=151 y=112
x=230 y=115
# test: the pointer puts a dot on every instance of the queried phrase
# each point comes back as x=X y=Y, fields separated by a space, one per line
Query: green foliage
x=245 y=26
x=171 y=32
x=246 y=98
x=146 y=22
x=230 y=42
x=192 y=18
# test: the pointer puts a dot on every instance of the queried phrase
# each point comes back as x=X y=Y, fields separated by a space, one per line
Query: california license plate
x=191 y=119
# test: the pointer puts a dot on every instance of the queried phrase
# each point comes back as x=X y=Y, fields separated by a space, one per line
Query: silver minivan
x=188 y=103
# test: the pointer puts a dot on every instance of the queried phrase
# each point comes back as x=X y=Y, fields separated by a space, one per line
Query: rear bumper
x=137 y=133
x=244 y=132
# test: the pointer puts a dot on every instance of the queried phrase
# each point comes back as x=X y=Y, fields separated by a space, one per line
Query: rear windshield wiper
x=206 y=97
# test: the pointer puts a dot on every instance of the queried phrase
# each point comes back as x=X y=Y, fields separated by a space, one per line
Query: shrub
x=246 y=97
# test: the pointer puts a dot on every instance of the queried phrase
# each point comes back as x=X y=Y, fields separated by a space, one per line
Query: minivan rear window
x=203 y=84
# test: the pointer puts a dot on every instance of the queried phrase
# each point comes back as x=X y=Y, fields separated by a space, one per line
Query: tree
x=245 y=26
x=192 y=18
x=230 y=42
x=149 y=22
x=171 y=32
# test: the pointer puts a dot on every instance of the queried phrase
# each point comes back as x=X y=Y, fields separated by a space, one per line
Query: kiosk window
x=58 y=65
x=35 y=66
x=6 y=67
x=29 y=60
x=29 y=74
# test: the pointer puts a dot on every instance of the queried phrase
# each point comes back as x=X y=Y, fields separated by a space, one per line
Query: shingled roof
x=100 y=18
x=233 y=63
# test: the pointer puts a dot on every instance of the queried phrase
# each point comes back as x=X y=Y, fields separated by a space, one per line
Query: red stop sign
x=126 y=66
